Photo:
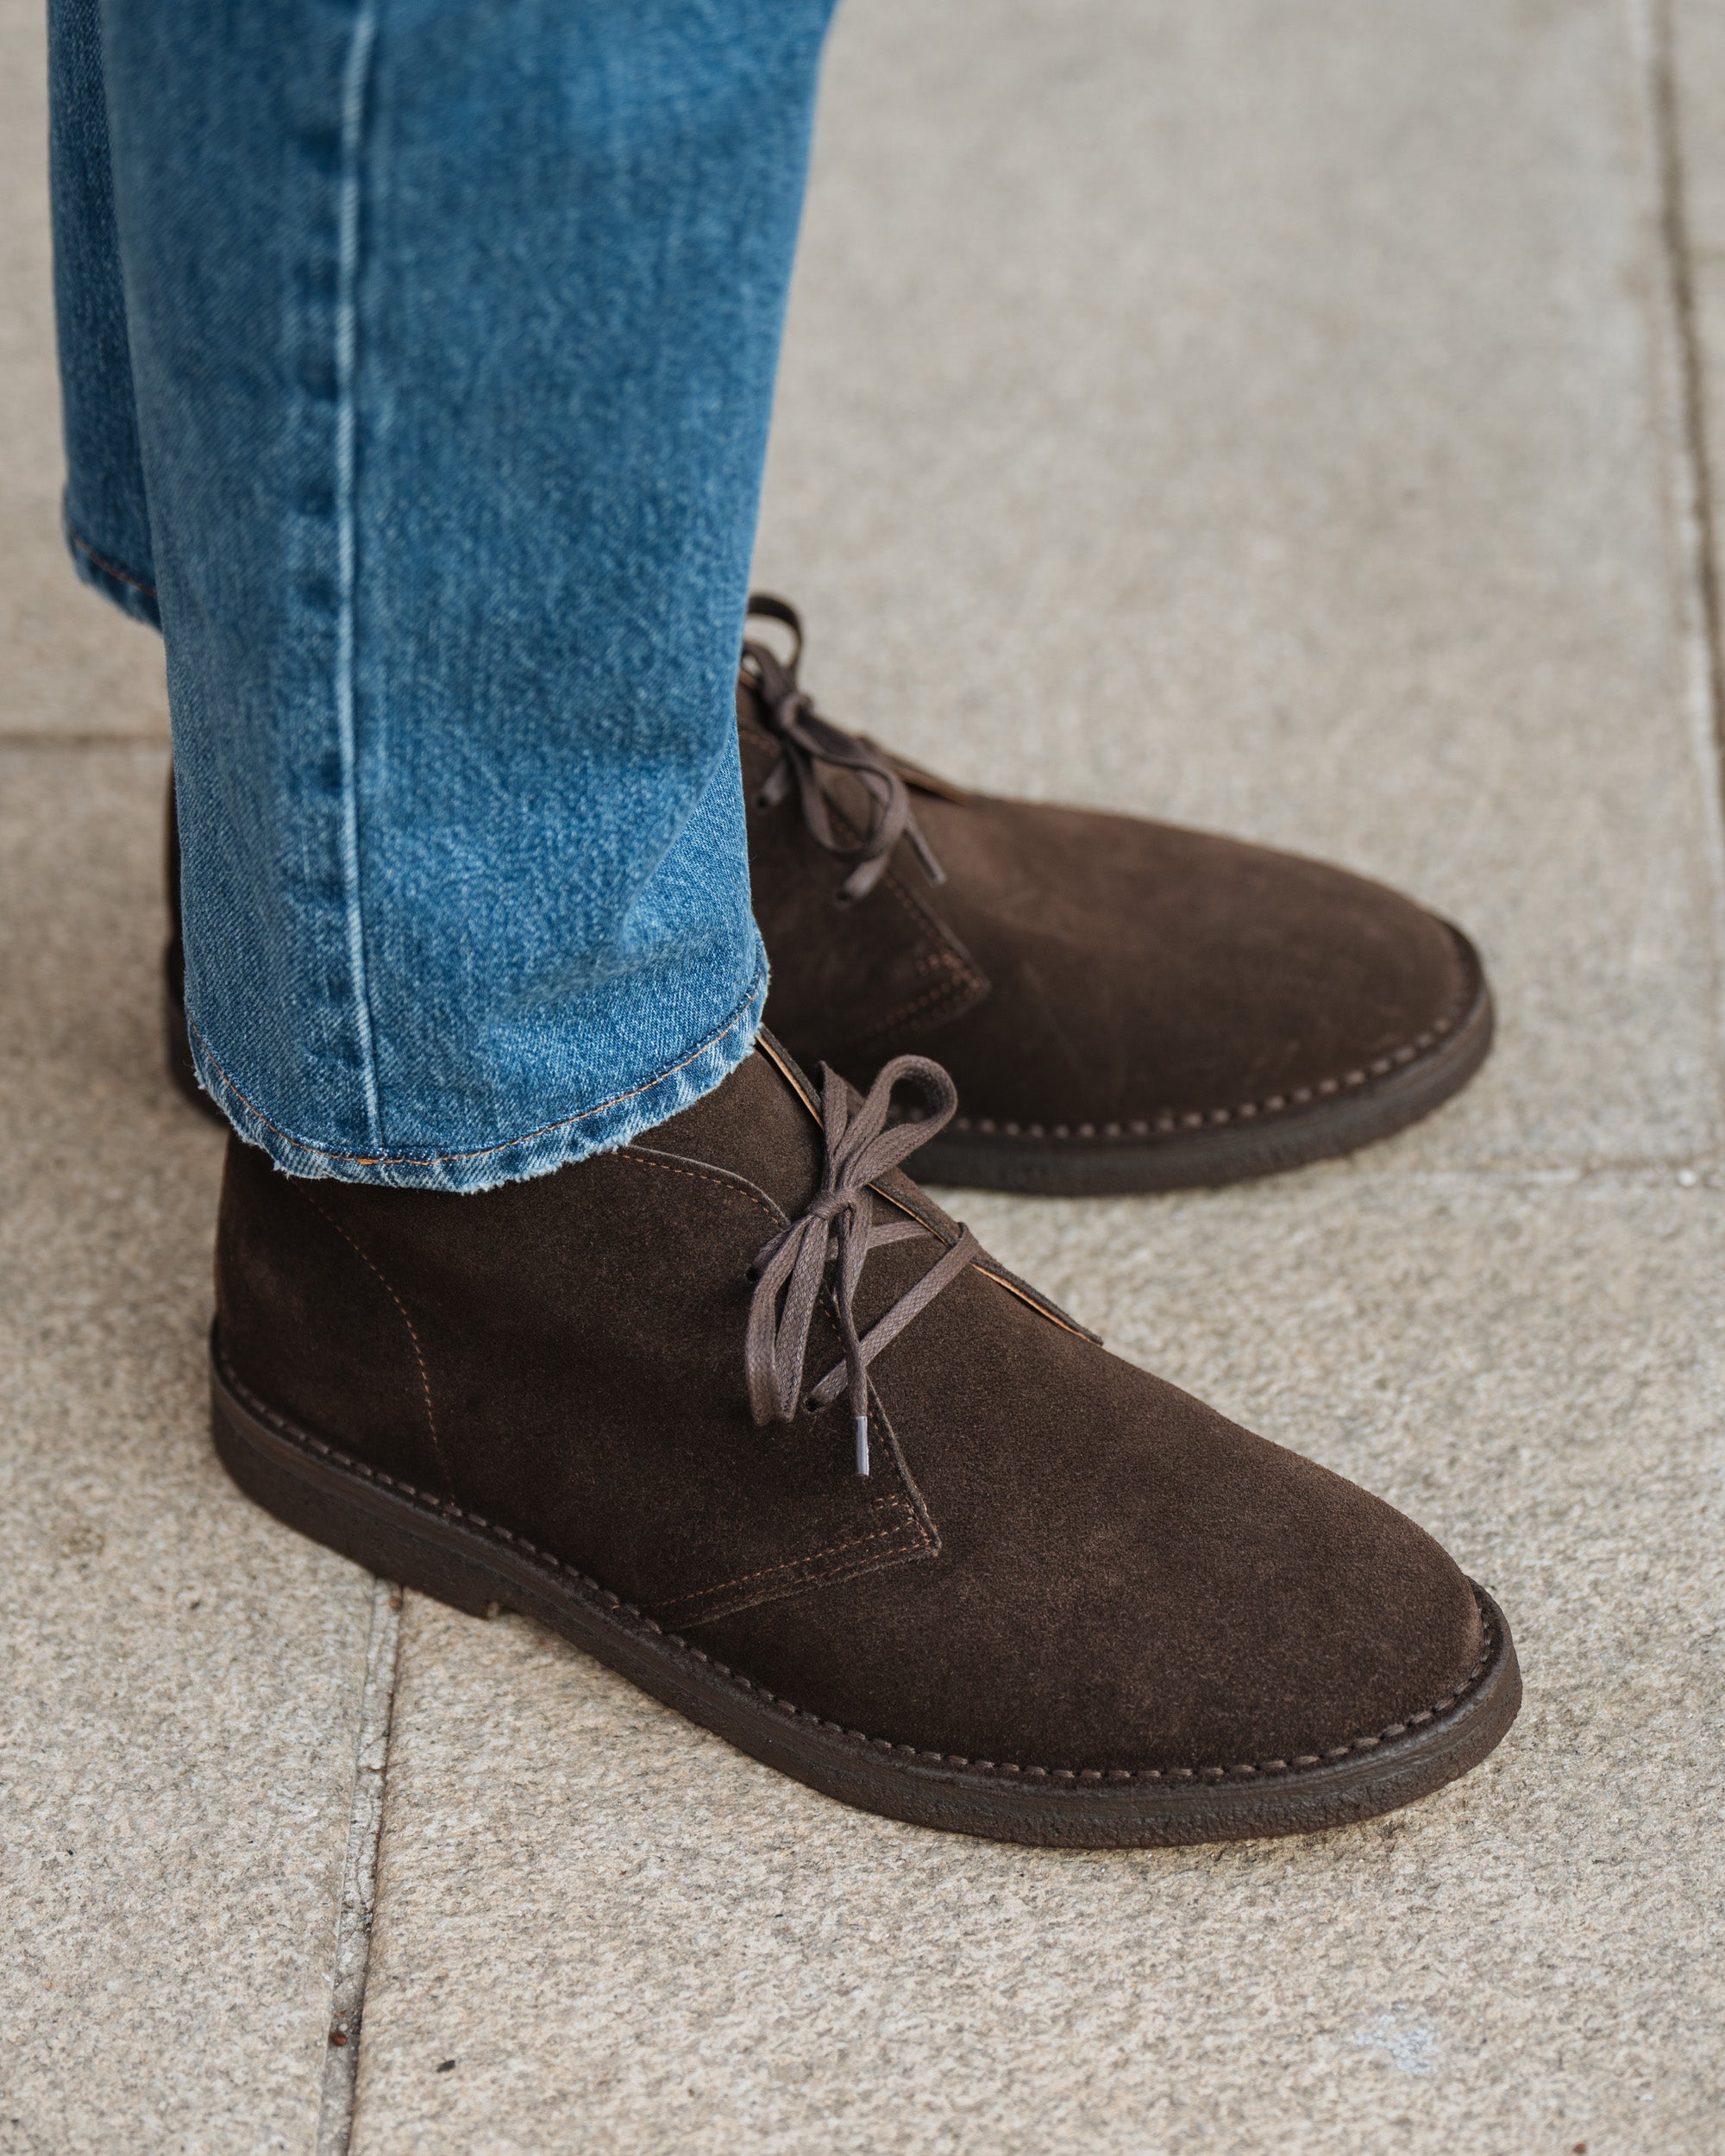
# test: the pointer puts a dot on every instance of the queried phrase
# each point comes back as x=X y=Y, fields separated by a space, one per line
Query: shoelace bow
x=839 y=1222
x=807 y=741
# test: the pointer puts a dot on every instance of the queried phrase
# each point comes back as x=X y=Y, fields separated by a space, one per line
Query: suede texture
x=1058 y=1560
x=1086 y=974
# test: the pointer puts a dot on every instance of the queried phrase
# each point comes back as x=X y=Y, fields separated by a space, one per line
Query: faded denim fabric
x=417 y=358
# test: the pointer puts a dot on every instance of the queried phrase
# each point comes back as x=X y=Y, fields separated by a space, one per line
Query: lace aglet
x=924 y=852
x=861 y=1444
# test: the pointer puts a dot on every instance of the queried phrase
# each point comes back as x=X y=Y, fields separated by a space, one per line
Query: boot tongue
x=756 y=1124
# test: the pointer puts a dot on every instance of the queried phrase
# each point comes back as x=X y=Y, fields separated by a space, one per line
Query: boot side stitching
x=719 y=1182
x=794 y=1564
x=418 y=1352
x=1298 y=1763
x=941 y=991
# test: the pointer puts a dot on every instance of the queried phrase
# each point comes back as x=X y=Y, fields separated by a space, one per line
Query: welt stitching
x=481 y=1152
x=113 y=568
x=412 y=1334
x=446 y=1508
x=795 y=1564
x=1169 y=1122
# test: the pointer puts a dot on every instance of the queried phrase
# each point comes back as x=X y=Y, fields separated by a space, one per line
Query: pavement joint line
x=1683 y=389
x=352 y=1957
x=1664 y=120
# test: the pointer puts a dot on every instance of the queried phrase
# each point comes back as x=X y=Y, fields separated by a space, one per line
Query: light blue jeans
x=417 y=359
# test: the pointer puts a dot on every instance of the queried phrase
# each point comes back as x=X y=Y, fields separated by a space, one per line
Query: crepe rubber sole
x=1359 y=1108
x=440 y=1549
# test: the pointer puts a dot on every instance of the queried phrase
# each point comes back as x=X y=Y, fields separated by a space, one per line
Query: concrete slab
x=1250 y=416
x=73 y=665
x=183 y=1678
x=622 y=1933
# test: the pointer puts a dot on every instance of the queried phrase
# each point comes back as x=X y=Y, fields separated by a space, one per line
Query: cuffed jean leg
x=450 y=328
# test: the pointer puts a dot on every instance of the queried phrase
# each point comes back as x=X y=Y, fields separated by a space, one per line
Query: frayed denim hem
x=553 y=1144
x=129 y=592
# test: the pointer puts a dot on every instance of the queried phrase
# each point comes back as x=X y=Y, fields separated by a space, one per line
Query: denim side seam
x=126 y=590
x=355 y=84
x=536 y=1152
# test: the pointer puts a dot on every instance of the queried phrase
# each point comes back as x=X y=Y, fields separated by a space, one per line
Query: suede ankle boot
x=740 y=1411
x=1123 y=1005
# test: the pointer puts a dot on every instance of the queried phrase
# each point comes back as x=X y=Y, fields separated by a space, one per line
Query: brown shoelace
x=839 y=1222
x=807 y=741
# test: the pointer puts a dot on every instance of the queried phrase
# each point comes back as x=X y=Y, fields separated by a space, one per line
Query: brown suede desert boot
x=1123 y=1005
x=739 y=1411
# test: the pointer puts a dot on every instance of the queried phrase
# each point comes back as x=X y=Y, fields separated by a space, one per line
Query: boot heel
x=337 y=1506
